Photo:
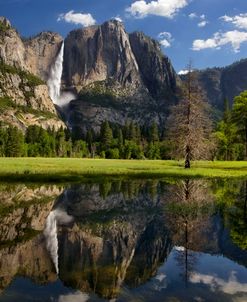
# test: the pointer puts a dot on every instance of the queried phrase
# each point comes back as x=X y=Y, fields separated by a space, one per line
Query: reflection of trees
x=187 y=214
x=234 y=210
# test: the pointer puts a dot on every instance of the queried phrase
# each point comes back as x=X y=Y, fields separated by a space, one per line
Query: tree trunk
x=187 y=158
x=246 y=140
x=186 y=253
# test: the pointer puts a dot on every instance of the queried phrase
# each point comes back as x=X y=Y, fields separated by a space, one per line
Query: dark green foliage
x=14 y=145
x=39 y=142
x=239 y=114
x=6 y=103
x=231 y=132
x=106 y=135
x=154 y=133
x=3 y=28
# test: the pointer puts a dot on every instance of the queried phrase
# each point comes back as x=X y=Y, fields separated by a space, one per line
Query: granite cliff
x=118 y=77
x=24 y=68
x=223 y=83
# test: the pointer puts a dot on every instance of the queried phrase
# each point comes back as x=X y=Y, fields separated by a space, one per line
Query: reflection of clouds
x=179 y=248
x=160 y=282
x=231 y=286
x=76 y=297
x=160 y=277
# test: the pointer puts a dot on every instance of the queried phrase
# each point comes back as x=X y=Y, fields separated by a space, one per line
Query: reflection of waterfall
x=50 y=233
x=58 y=216
x=54 y=82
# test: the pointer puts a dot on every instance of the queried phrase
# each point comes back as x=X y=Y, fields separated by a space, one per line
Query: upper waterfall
x=54 y=81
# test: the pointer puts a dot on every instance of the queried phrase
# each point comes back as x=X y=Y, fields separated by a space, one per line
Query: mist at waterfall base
x=54 y=82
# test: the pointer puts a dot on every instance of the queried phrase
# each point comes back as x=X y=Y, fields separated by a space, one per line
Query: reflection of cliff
x=23 y=211
x=110 y=238
x=152 y=249
x=28 y=259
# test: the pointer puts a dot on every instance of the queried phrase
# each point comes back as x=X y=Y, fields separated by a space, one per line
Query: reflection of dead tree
x=187 y=214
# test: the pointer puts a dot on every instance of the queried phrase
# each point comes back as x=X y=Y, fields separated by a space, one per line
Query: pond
x=124 y=240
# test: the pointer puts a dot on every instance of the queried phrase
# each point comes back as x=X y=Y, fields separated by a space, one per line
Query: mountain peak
x=4 y=21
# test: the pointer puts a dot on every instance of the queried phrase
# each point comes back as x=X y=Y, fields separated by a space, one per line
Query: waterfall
x=54 y=81
x=50 y=233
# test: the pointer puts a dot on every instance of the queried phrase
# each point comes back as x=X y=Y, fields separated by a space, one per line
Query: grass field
x=74 y=169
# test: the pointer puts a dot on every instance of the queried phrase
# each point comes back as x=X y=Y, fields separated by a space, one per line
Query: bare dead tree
x=189 y=126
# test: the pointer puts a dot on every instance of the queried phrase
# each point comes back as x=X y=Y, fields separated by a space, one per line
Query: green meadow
x=75 y=169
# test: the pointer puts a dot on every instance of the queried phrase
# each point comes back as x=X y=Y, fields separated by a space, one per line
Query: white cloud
x=118 y=18
x=163 y=8
x=183 y=72
x=231 y=286
x=202 y=23
x=77 y=18
x=240 y=21
x=165 y=39
x=193 y=16
x=235 y=38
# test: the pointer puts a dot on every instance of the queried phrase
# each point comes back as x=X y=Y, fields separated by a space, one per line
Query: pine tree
x=189 y=126
x=154 y=133
x=106 y=135
x=14 y=143
x=239 y=112
x=226 y=135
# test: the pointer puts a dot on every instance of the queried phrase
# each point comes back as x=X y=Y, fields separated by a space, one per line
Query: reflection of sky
x=211 y=278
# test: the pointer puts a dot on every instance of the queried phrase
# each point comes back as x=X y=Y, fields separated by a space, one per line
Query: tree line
x=190 y=133
x=113 y=141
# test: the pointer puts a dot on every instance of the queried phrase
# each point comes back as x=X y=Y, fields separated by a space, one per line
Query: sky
x=207 y=32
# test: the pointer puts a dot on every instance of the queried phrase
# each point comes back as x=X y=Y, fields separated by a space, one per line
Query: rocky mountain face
x=118 y=77
x=40 y=52
x=100 y=53
x=24 y=68
x=113 y=75
x=221 y=83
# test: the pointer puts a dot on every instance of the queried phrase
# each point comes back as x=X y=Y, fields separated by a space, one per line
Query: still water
x=139 y=240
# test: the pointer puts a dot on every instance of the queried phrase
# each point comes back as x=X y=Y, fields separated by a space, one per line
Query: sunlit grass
x=60 y=169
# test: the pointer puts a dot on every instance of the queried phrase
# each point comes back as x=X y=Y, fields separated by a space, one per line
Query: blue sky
x=210 y=32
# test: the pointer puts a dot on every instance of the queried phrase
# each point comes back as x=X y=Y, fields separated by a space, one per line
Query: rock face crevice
x=156 y=70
